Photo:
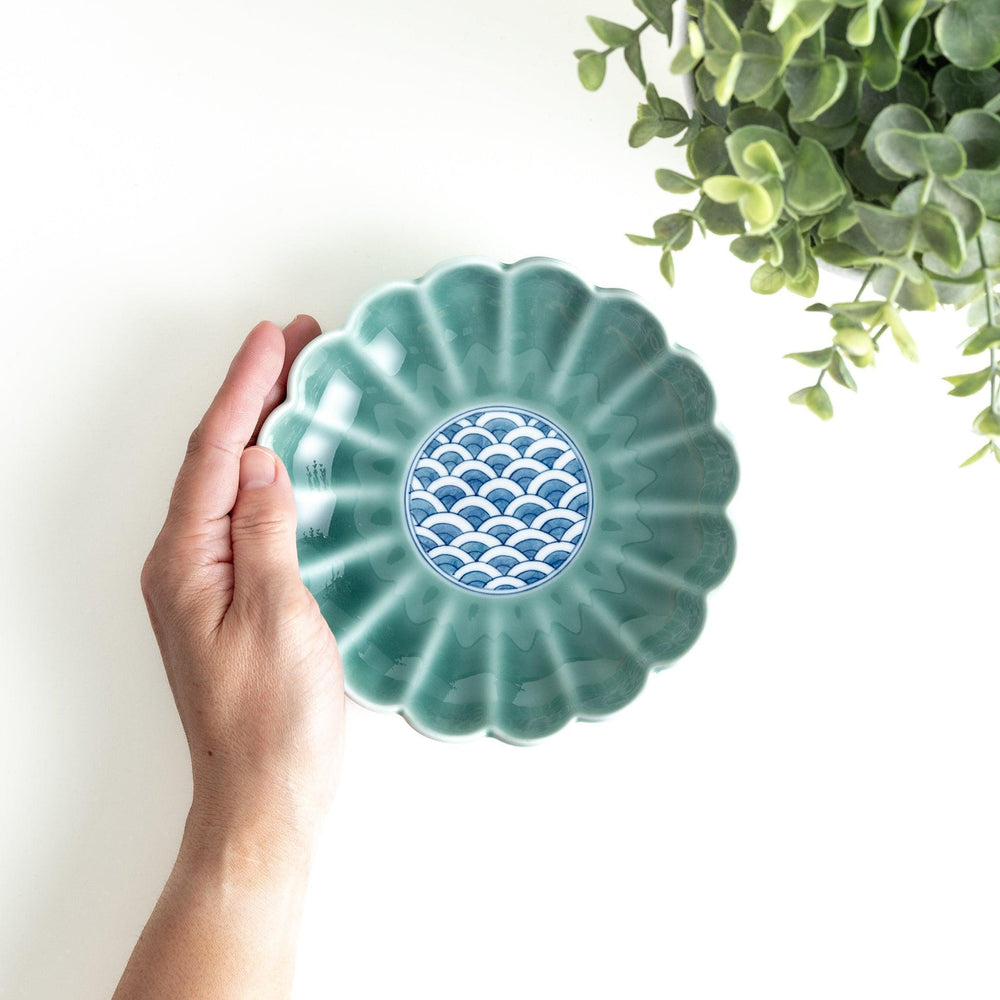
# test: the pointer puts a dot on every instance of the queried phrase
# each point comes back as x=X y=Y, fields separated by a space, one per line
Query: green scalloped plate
x=511 y=496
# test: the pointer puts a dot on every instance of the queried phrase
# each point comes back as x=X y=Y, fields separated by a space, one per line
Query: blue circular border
x=478 y=410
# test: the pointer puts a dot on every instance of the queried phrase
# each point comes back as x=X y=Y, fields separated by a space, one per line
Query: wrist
x=261 y=809
x=247 y=837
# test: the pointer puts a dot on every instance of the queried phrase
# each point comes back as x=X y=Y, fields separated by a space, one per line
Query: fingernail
x=257 y=469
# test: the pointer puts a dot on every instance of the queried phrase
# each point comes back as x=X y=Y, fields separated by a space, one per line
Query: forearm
x=227 y=921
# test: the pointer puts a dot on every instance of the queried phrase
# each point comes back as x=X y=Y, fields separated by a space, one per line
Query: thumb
x=265 y=560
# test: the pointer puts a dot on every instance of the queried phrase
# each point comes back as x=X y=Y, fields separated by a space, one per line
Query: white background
x=804 y=806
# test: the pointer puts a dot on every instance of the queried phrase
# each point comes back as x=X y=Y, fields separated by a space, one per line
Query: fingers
x=297 y=334
x=206 y=486
x=265 y=559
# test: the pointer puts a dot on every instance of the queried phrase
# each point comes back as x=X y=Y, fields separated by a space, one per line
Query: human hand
x=253 y=666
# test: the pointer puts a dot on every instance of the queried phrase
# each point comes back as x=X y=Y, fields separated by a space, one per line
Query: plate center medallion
x=498 y=499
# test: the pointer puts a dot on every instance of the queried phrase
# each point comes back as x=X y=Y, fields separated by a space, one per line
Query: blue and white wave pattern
x=498 y=500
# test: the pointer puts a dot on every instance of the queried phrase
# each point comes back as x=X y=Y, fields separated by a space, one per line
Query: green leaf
x=896 y=116
x=591 y=69
x=837 y=221
x=644 y=241
x=815 y=186
x=959 y=89
x=861 y=29
x=667 y=267
x=767 y=280
x=899 y=18
x=985 y=338
x=696 y=218
x=814 y=88
x=696 y=40
x=688 y=56
x=890 y=231
x=673 y=117
x=794 y=257
x=662 y=116
x=967 y=211
x=943 y=234
x=840 y=254
x=781 y=10
x=749 y=249
x=968 y=33
x=723 y=220
x=719 y=30
x=856 y=343
x=674 y=231
x=726 y=75
x=725 y=188
x=633 y=59
x=841 y=374
x=759 y=208
x=914 y=295
x=905 y=343
x=813 y=359
x=611 y=33
x=799 y=21
x=642 y=131
x=672 y=181
x=763 y=160
x=904 y=265
x=858 y=312
x=760 y=67
x=881 y=60
x=661 y=13
x=818 y=400
x=970 y=383
x=911 y=90
x=707 y=155
x=742 y=139
x=807 y=282
x=833 y=137
x=747 y=115
x=979 y=134
x=987 y=422
x=684 y=60
x=654 y=100
x=972 y=459
x=912 y=154
x=982 y=187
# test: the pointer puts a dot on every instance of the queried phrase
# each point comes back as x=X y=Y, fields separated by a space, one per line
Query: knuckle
x=150 y=573
x=259 y=523
x=276 y=607
x=159 y=576
x=195 y=440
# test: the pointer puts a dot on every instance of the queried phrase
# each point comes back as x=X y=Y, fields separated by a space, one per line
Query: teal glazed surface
x=510 y=493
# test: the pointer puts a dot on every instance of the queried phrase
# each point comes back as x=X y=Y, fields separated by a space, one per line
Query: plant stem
x=925 y=196
x=865 y=283
x=991 y=320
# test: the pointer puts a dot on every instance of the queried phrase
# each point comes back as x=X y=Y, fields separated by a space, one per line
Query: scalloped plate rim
x=467 y=260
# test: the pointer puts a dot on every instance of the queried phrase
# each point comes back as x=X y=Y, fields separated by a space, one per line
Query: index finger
x=297 y=334
x=208 y=481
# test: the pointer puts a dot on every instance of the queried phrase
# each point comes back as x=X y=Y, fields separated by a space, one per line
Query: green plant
x=861 y=133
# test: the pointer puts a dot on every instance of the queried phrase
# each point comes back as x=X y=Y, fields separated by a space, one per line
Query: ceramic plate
x=511 y=496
